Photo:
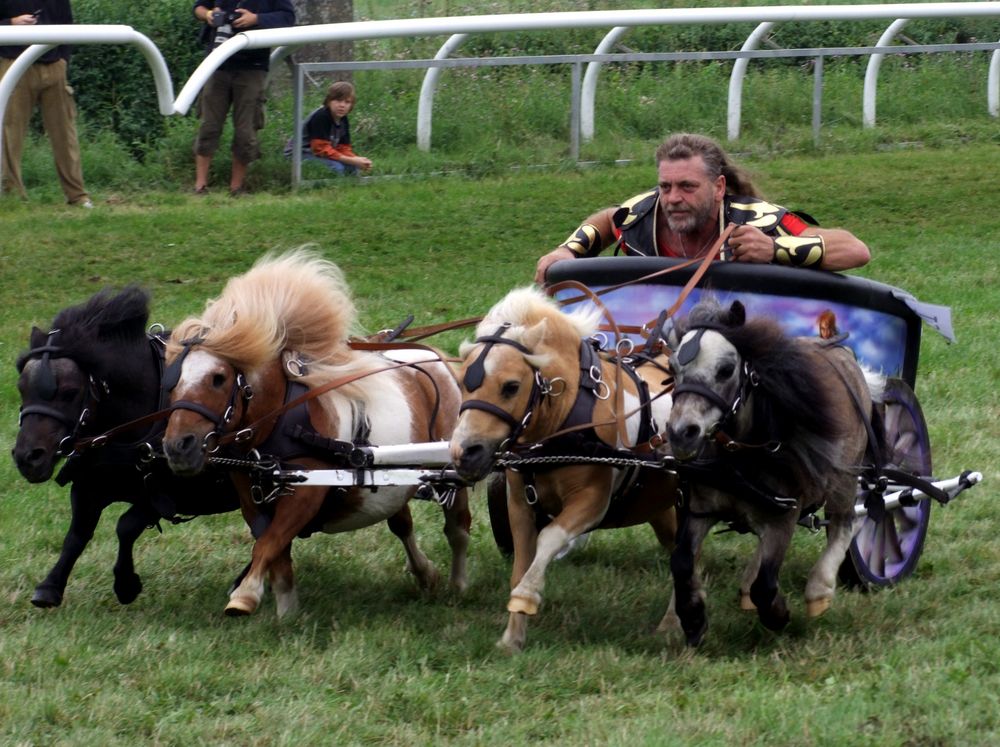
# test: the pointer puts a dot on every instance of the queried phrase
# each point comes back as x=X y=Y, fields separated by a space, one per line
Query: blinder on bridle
x=241 y=390
x=749 y=379
x=475 y=375
x=47 y=388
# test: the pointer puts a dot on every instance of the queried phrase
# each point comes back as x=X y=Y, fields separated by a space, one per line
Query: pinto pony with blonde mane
x=531 y=381
x=276 y=332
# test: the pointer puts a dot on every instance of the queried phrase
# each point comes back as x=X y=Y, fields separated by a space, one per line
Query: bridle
x=749 y=380
x=475 y=374
x=241 y=392
x=47 y=389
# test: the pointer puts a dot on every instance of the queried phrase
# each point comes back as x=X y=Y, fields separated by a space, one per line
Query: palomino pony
x=96 y=371
x=277 y=331
x=529 y=376
x=770 y=428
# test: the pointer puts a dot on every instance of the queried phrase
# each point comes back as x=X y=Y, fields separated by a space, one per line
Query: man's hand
x=247 y=19
x=749 y=244
x=549 y=259
x=28 y=19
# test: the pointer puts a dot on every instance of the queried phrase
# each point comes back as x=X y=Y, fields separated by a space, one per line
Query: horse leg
x=664 y=526
x=83 y=521
x=689 y=598
x=823 y=576
x=747 y=579
x=457 y=525
x=524 y=533
x=291 y=514
x=764 y=592
x=282 y=578
x=131 y=524
x=401 y=524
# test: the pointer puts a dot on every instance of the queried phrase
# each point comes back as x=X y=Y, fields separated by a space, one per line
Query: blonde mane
x=292 y=301
x=525 y=307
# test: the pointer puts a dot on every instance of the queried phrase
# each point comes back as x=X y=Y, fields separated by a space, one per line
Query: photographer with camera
x=239 y=83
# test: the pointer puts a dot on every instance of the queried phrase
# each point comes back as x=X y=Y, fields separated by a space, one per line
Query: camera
x=223 y=18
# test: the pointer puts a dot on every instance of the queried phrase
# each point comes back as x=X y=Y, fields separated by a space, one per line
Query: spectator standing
x=46 y=86
x=238 y=84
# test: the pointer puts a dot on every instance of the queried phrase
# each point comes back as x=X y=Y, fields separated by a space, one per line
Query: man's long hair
x=686 y=145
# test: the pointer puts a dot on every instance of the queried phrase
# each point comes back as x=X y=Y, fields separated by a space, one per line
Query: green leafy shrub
x=113 y=82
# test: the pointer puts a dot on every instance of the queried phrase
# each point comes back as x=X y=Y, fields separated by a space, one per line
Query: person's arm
x=820 y=248
x=283 y=15
x=202 y=10
x=595 y=233
x=26 y=19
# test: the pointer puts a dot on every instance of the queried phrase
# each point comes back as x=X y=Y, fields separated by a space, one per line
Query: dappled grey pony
x=770 y=428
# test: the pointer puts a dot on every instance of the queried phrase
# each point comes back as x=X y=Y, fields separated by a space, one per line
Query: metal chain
x=246 y=465
x=515 y=462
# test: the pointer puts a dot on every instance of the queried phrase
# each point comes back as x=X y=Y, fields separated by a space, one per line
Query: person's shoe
x=85 y=203
x=238 y=192
x=201 y=191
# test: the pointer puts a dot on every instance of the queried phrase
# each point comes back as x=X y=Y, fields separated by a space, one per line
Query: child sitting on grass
x=326 y=134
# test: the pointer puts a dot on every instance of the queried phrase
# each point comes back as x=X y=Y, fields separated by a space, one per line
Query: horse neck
x=269 y=386
x=552 y=411
x=132 y=392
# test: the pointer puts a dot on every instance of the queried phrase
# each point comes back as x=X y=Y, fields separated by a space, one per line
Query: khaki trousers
x=45 y=86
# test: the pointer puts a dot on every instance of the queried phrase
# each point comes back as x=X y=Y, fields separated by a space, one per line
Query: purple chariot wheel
x=885 y=552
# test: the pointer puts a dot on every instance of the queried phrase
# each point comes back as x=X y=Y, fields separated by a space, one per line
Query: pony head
x=526 y=348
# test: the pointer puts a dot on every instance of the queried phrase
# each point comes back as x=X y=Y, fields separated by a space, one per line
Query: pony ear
x=37 y=338
x=737 y=314
x=533 y=336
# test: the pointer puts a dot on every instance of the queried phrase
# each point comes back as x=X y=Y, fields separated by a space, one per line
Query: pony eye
x=726 y=372
x=510 y=388
x=218 y=380
x=68 y=395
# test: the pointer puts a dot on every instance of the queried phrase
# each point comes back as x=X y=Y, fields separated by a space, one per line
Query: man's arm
x=595 y=233
x=839 y=249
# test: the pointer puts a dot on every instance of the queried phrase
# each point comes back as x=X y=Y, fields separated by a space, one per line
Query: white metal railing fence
x=283 y=41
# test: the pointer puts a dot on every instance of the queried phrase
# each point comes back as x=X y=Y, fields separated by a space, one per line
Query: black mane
x=105 y=334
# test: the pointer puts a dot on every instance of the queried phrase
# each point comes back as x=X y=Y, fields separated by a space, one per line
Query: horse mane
x=292 y=301
x=791 y=403
x=102 y=333
x=525 y=307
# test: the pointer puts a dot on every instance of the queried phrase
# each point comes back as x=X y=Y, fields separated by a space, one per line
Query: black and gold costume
x=635 y=223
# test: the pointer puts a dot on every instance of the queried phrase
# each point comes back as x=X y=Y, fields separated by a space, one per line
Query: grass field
x=370 y=659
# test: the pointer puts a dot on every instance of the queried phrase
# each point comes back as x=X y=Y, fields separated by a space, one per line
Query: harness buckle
x=530 y=495
x=243 y=435
x=211 y=442
x=65 y=448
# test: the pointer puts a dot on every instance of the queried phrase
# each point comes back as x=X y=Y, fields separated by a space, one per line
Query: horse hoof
x=817 y=607
x=525 y=605
x=128 y=588
x=44 y=598
x=746 y=603
x=509 y=647
x=240 y=607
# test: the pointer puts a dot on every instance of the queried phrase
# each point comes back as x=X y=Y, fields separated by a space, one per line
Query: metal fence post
x=574 y=111
x=817 y=118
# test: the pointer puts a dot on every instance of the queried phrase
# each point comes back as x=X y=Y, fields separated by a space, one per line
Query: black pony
x=95 y=370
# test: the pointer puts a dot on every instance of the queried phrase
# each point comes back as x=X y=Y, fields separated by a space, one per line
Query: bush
x=114 y=84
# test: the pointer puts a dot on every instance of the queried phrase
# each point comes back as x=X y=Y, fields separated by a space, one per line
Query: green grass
x=371 y=660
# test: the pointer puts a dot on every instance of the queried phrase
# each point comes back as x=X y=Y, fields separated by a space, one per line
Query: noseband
x=475 y=374
x=241 y=391
x=748 y=382
x=47 y=389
